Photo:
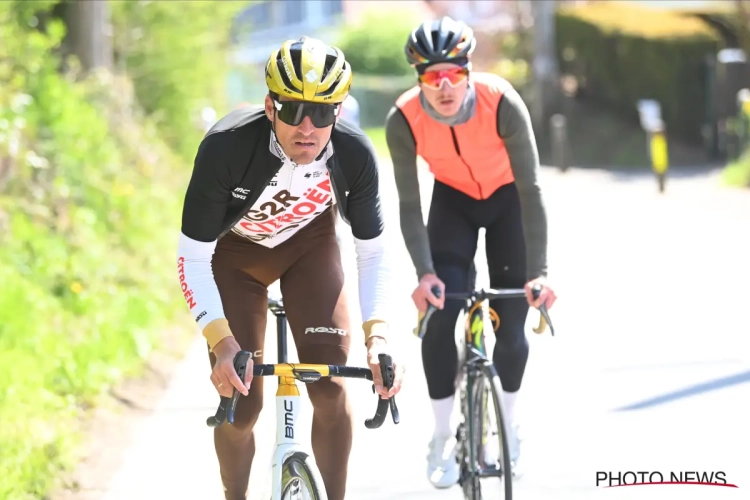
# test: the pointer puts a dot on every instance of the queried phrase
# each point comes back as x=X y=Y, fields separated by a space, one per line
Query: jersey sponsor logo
x=325 y=329
x=240 y=193
x=186 y=291
x=198 y=318
x=285 y=212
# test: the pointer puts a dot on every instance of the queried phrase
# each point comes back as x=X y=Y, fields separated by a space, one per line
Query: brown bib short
x=312 y=284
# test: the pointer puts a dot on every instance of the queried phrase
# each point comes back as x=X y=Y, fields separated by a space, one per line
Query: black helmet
x=441 y=40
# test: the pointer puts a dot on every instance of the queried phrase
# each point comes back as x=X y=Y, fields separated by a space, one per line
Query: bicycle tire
x=299 y=470
x=472 y=437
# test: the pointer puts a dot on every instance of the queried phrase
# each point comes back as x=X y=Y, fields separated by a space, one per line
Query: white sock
x=509 y=404
x=443 y=411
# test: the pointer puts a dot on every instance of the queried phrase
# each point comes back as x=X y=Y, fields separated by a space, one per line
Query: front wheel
x=484 y=455
x=300 y=479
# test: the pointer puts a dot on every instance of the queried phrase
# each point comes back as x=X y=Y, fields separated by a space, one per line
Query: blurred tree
x=375 y=45
x=89 y=33
x=177 y=56
x=743 y=11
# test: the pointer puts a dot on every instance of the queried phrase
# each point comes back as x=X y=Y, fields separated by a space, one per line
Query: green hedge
x=620 y=53
x=375 y=48
x=90 y=200
x=176 y=55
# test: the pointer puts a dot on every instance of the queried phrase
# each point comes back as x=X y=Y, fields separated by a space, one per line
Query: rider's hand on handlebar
x=546 y=297
x=375 y=346
x=223 y=376
x=423 y=295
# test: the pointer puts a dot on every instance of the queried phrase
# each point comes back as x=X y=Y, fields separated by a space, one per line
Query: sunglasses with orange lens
x=434 y=79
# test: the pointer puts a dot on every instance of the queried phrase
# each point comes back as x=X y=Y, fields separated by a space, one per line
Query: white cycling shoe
x=514 y=448
x=442 y=468
x=492 y=451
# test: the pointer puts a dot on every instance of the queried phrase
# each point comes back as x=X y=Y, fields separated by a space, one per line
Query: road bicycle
x=482 y=448
x=295 y=476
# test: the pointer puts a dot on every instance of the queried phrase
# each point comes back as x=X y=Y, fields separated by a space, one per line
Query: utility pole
x=89 y=32
x=544 y=65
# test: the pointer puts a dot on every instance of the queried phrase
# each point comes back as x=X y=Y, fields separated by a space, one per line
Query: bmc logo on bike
x=288 y=419
x=325 y=329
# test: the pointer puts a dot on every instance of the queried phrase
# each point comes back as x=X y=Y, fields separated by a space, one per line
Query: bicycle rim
x=484 y=453
x=463 y=452
x=300 y=479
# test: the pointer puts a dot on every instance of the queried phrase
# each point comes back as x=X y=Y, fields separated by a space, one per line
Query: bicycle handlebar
x=308 y=374
x=489 y=294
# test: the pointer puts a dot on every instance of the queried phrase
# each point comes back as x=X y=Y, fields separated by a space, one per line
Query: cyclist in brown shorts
x=261 y=206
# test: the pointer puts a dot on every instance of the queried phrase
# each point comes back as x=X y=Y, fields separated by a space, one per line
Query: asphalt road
x=649 y=370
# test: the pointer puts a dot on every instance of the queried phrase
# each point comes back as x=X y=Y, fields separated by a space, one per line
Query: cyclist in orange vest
x=474 y=131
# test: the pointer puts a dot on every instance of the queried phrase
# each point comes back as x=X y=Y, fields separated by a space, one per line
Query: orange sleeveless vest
x=470 y=157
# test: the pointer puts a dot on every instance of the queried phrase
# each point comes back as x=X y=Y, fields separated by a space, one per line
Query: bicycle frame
x=474 y=328
x=287 y=406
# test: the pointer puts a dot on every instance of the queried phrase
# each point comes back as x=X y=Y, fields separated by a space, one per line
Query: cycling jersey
x=489 y=143
x=244 y=183
x=291 y=200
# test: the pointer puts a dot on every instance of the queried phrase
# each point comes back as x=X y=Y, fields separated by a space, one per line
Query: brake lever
x=544 y=319
x=227 y=406
x=421 y=328
x=388 y=373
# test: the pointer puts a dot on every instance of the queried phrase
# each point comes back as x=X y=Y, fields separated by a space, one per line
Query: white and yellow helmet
x=307 y=69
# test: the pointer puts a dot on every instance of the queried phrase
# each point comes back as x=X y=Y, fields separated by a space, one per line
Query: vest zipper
x=471 y=174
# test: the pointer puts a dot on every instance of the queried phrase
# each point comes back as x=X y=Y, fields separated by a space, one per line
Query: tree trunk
x=89 y=34
x=544 y=65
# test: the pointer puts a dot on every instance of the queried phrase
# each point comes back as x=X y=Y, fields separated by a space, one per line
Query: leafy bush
x=621 y=53
x=737 y=173
x=375 y=45
x=375 y=49
x=88 y=195
x=175 y=52
x=517 y=71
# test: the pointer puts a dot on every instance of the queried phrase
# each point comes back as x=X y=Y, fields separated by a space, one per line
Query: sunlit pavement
x=649 y=371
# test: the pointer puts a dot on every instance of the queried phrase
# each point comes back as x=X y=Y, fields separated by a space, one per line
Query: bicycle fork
x=469 y=468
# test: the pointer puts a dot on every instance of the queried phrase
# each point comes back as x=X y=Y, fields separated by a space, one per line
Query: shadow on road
x=694 y=390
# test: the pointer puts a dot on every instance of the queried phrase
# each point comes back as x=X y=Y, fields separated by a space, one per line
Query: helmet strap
x=461 y=61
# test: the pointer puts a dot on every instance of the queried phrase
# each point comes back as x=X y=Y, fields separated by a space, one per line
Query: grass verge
x=377 y=136
x=737 y=173
x=89 y=209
